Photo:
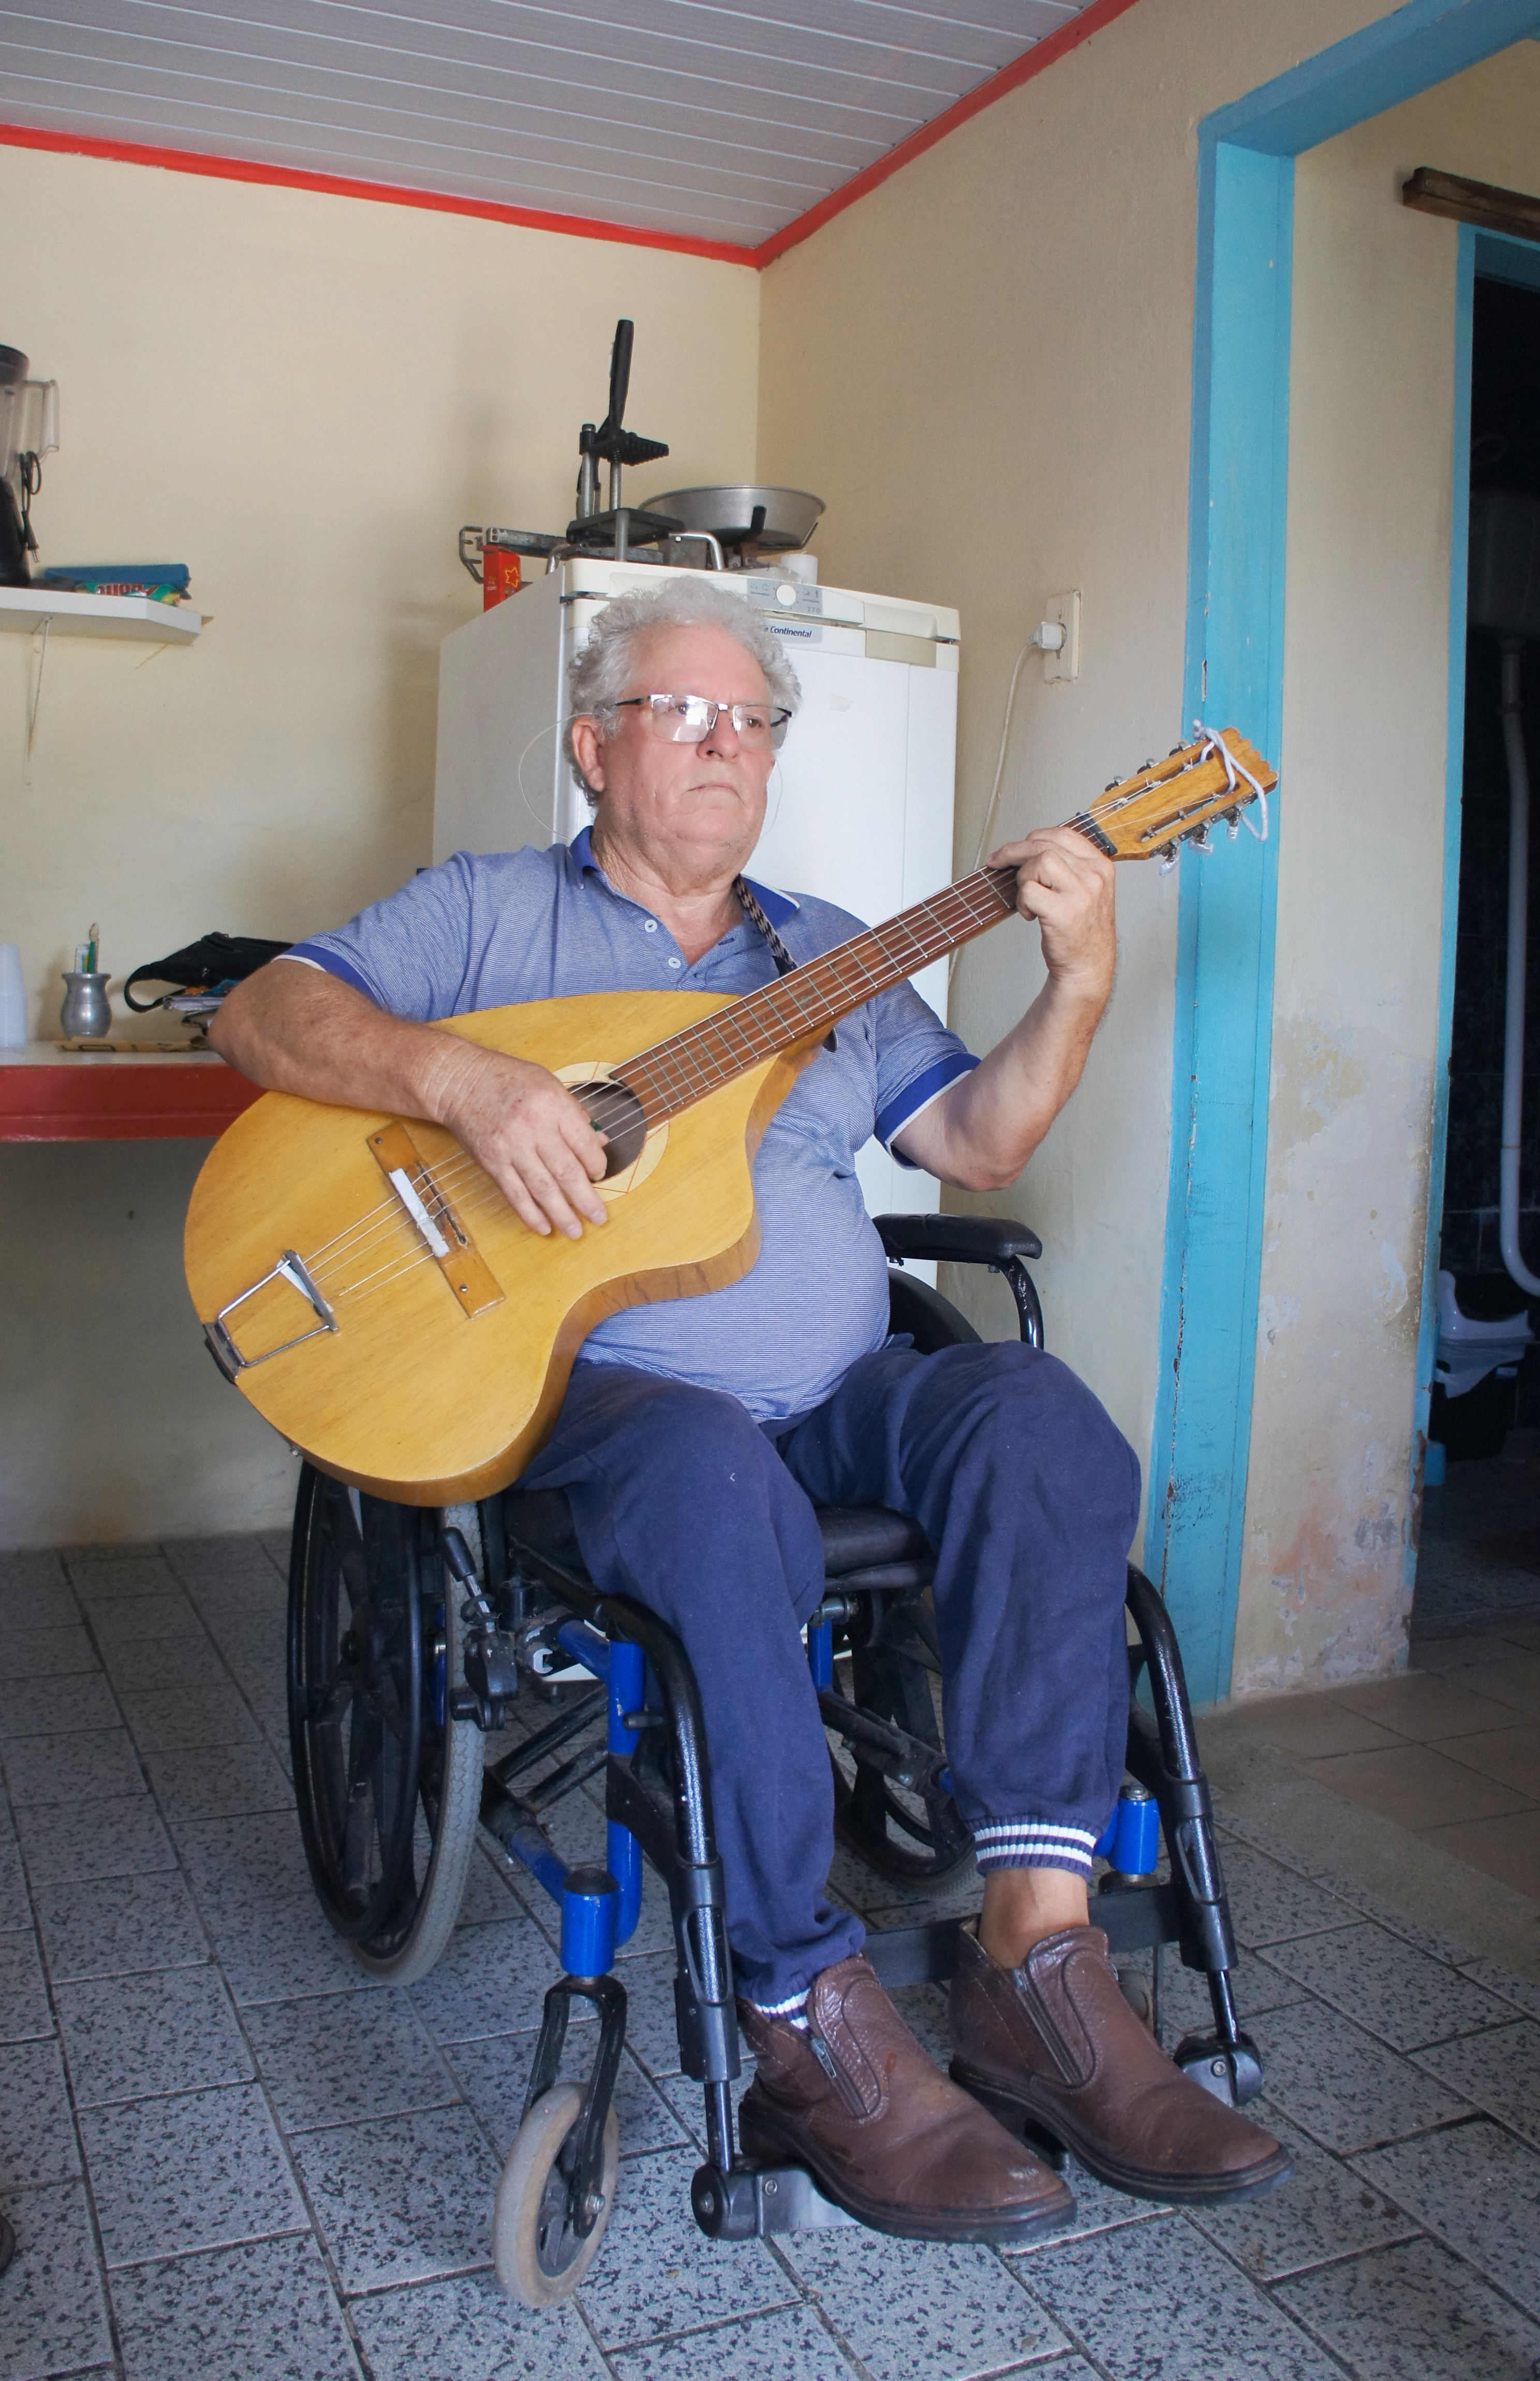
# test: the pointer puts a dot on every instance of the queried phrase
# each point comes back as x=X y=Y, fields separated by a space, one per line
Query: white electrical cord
x=1048 y=637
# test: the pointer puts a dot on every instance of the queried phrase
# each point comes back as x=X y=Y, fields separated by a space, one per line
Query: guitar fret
x=692 y=1063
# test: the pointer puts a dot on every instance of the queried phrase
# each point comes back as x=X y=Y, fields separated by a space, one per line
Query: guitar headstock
x=1173 y=801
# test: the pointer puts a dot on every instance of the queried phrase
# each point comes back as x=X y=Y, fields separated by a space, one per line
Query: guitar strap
x=784 y=963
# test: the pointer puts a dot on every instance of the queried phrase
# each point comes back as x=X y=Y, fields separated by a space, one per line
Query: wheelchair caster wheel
x=539 y=2254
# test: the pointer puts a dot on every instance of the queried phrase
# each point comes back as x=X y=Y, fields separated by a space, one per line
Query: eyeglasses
x=689 y=719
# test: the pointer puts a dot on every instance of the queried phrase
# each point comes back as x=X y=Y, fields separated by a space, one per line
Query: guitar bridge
x=469 y=1277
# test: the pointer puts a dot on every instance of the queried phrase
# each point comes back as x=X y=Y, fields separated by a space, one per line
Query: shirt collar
x=777 y=906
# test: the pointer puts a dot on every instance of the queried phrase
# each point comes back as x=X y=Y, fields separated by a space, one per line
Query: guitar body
x=439 y=1380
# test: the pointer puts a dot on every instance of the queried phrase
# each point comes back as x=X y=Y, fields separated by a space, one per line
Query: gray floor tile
x=223 y=1567
x=64 y=1840
x=1324 y=2210
x=34 y=1592
x=36 y=2130
x=405 y=2199
x=1185 y=2005
x=494 y=2075
x=334 y=2058
x=285 y=1951
x=1383 y=1983
x=1269 y=1903
x=1152 y=2300
x=651 y=2027
x=264 y=2310
x=209 y=1784
x=15 y=1906
x=107 y=1576
x=488 y=1896
x=48 y=1769
x=790 y=2345
x=1426 y=1939
x=196 y=2171
x=920 y=2311
x=120 y=1927
x=72 y=1706
x=145 y=1665
x=187 y=1719
x=1344 y=2087
x=466 y=2330
x=657 y=2273
x=1523 y=1992
x=57 y=1652
x=24 y=2011
x=1478 y=2189
x=1415 y=2311
x=490 y=1980
x=129 y=2037
x=54 y=2320
x=1499 y=2072
x=144 y=1619
x=245 y=1864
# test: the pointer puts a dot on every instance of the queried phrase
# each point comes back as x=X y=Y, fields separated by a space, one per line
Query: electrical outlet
x=1065 y=609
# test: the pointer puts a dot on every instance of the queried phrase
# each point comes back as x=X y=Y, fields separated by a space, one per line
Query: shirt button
x=649 y=926
x=676 y=962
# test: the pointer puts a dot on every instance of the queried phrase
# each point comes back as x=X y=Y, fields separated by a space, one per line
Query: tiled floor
x=226 y=2156
x=1450 y=1750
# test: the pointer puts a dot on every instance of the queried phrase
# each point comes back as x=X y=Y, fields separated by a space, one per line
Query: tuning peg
x=1232 y=822
x=1168 y=859
x=1199 y=837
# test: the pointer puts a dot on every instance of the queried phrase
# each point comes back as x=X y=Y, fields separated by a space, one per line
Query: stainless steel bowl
x=790 y=515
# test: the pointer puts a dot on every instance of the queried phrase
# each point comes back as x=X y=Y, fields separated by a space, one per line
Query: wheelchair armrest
x=957 y=1239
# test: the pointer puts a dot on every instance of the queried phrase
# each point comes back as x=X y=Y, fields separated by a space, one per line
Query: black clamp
x=489 y=1659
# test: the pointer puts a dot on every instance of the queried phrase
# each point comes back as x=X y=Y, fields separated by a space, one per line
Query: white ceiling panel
x=706 y=121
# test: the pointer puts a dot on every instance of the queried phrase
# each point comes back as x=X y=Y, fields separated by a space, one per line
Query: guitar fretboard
x=673 y=1074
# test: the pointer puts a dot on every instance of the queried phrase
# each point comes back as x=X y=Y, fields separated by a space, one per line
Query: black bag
x=212 y=959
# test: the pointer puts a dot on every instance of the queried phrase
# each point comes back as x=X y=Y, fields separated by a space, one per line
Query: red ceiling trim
x=338 y=186
x=1036 y=61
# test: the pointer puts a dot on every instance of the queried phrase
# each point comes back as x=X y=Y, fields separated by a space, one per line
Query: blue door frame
x=1234 y=677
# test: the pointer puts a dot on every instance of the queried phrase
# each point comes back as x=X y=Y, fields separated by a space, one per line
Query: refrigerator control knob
x=786 y=594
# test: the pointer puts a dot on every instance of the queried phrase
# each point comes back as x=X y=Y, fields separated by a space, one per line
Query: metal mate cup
x=86 y=1009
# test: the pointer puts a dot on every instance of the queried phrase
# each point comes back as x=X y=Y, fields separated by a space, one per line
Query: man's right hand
x=293 y=1028
x=529 y=1134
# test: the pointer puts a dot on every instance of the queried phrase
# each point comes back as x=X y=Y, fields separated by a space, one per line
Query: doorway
x=1480 y=1552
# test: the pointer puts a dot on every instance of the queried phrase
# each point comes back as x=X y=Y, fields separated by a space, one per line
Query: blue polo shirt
x=485 y=930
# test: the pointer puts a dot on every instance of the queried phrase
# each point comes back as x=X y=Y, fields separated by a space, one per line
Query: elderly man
x=696 y=1433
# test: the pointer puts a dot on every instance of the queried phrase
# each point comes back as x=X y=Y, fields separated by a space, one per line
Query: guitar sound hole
x=619 y=1113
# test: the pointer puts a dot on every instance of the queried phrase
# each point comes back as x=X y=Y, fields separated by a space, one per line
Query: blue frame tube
x=623 y=1853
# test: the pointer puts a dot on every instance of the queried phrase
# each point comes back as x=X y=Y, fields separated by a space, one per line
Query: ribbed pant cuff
x=783 y=2009
x=1032 y=1843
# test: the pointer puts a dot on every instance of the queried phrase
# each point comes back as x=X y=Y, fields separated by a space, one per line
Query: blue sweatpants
x=1029 y=1496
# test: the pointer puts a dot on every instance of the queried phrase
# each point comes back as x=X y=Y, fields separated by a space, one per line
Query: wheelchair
x=411 y=1634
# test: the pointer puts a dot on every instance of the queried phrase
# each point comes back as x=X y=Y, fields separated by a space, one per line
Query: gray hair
x=598 y=675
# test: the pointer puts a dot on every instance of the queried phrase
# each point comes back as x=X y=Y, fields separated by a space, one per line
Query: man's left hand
x=1067 y=885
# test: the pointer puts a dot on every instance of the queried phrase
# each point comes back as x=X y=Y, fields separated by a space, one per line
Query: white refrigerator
x=861 y=799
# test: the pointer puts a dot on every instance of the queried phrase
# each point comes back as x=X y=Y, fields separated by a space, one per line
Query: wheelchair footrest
x=753 y=2201
x=1232 y=2071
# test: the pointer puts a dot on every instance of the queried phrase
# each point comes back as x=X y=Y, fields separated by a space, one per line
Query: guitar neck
x=801 y=1006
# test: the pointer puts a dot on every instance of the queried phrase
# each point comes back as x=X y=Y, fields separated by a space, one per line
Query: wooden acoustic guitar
x=372 y=1292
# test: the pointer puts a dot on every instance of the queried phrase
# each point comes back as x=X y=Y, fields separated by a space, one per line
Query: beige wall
x=302 y=398
x=1329 y=1508
x=985 y=367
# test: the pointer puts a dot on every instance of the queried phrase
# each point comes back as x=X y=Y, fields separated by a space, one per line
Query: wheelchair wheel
x=909 y=1834
x=540 y=2257
x=388 y=1786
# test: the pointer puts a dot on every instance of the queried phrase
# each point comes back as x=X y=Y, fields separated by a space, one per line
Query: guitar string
x=675 y=1055
x=437 y=1180
x=395 y=1266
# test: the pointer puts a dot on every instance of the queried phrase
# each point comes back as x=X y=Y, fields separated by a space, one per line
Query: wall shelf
x=47 y=1093
x=24 y=609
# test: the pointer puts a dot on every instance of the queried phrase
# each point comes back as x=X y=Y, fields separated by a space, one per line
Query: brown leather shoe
x=1052 y=2048
x=857 y=2101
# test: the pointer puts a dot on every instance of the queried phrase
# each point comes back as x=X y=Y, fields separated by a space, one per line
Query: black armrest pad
x=957 y=1239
